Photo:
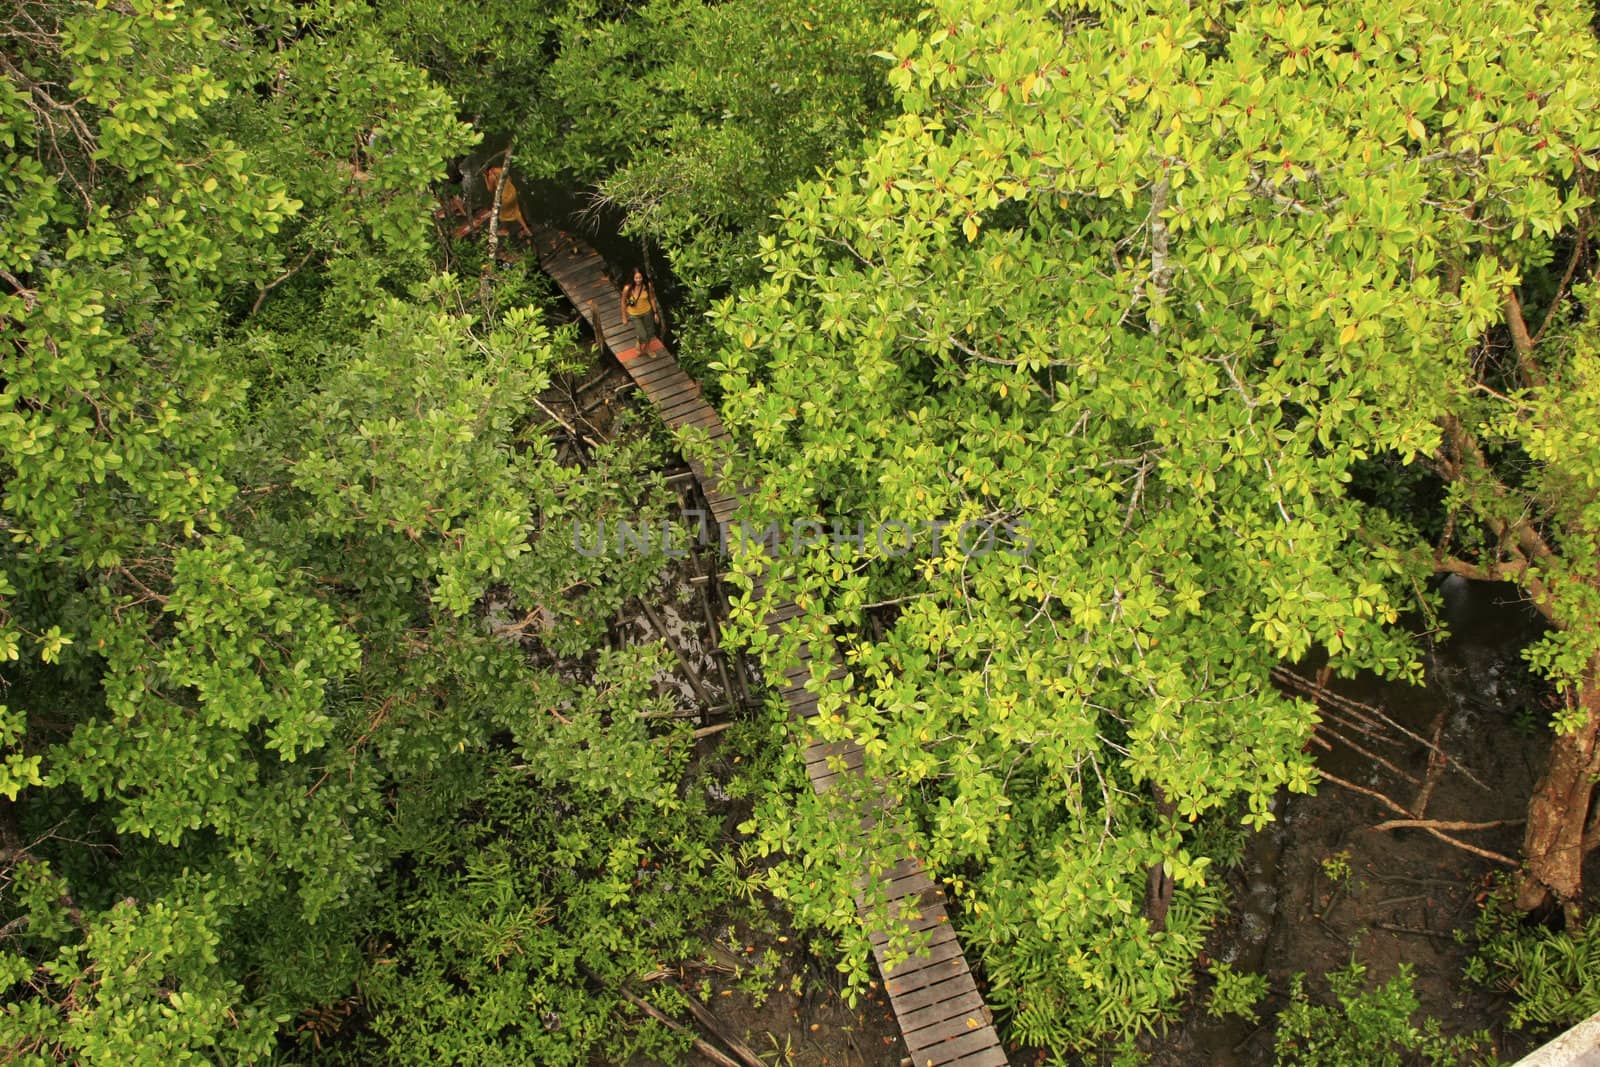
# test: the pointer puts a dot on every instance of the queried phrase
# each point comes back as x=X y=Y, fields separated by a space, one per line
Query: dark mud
x=1321 y=887
x=785 y=1003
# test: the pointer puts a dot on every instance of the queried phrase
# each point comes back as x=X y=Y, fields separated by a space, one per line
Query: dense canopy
x=1238 y=322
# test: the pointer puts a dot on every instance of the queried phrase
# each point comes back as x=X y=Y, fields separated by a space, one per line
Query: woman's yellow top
x=639 y=300
x=510 y=210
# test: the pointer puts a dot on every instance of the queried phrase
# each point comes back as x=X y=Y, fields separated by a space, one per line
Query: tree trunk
x=1553 y=847
x=1159 y=884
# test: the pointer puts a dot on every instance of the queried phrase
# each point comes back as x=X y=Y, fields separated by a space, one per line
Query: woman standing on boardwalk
x=640 y=307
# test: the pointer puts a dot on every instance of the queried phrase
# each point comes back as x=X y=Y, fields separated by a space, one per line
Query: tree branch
x=1517 y=537
x=261 y=296
x=1521 y=341
x=1578 y=250
x=494 y=226
x=1160 y=266
x=1443 y=824
x=1430 y=825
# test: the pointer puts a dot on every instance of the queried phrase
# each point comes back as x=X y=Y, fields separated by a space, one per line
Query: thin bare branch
x=1427 y=825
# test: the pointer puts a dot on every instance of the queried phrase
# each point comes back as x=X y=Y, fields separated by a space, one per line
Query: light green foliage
x=298 y=652
x=695 y=141
x=245 y=672
x=1235 y=992
x=421 y=442
x=246 y=651
x=1153 y=281
x=1336 y=867
x=161 y=994
x=114 y=419
x=1553 y=977
x=1368 y=1028
x=357 y=135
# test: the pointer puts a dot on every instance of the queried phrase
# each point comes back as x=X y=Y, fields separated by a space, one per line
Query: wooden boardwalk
x=942 y=1016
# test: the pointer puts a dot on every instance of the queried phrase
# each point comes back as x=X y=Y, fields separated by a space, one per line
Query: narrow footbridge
x=941 y=1014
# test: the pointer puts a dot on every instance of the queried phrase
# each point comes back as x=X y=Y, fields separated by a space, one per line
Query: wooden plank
x=728 y=488
x=716 y=489
x=938 y=936
x=849 y=759
x=803 y=658
x=907 y=868
x=920 y=912
x=945 y=952
x=837 y=674
x=566 y=266
x=973 y=1040
x=588 y=283
x=718 y=501
x=704 y=419
x=800 y=673
x=668 y=377
x=927 y=918
x=784 y=611
x=923 y=911
x=888 y=871
x=787 y=611
x=684 y=410
x=825 y=782
x=650 y=372
x=941 y=1033
x=821 y=750
x=680 y=421
x=930 y=974
x=592 y=296
x=652 y=377
x=798 y=676
x=929 y=922
x=824 y=772
x=989 y=1057
x=661 y=389
x=943 y=945
x=968 y=1002
x=668 y=396
x=951 y=1039
x=669 y=386
x=909 y=1000
x=560 y=254
x=681 y=417
x=908 y=884
x=681 y=405
x=583 y=290
x=722 y=476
